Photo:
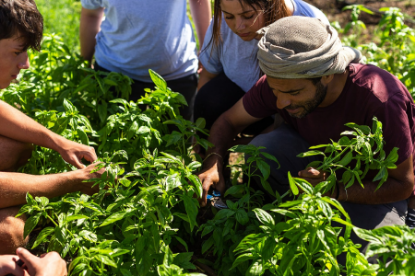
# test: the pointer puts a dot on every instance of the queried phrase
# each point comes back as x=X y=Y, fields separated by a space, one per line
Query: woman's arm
x=204 y=77
x=201 y=13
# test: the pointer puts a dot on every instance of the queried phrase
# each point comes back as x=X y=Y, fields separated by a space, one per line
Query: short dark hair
x=21 y=17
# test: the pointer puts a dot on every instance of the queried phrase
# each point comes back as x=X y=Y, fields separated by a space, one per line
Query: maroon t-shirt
x=369 y=91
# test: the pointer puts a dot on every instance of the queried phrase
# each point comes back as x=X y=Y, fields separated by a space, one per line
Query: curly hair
x=21 y=18
x=273 y=10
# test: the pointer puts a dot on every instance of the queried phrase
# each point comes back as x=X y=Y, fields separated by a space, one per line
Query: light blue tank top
x=237 y=58
x=138 y=35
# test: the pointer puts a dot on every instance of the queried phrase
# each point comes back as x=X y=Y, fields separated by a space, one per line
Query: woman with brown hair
x=228 y=56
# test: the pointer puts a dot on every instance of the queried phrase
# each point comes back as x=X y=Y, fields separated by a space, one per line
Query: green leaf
x=284 y=212
x=120 y=101
x=366 y=235
x=242 y=216
x=26 y=208
x=255 y=269
x=388 y=230
x=42 y=236
x=172 y=182
x=190 y=205
x=68 y=106
x=310 y=153
x=289 y=204
x=31 y=224
x=241 y=259
x=304 y=185
x=30 y=200
x=271 y=157
x=346 y=159
x=194 y=165
x=114 y=218
x=293 y=187
x=75 y=217
x=102 y=111
x=182 y=242
x=393 y=156
x=207 y=244
x=264 y=217
x=88 y=235
x=83 y=136
x=197 y=184
x=132 y=130
x=200 y=123
x=105 y=260
x=143 y=130
x=237 y=189
x=339 y=220
x=181 y=99
x=267 y=187
x=43 y=201
x=325 y=208
x=158 y=80
x=79 y=268
x=263 y=167
x=224 y=213
x=268 y=248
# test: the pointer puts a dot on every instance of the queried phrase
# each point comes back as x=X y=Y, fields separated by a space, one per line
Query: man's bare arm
x=17 y=126
x=89 y=27
x=223 y=131
x=14 y=186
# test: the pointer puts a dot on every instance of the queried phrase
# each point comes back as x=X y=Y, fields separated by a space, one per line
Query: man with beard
x=317 y=86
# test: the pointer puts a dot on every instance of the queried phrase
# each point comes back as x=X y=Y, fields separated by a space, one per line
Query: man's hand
x=50 y=264
x=211 y=177
x=73 y=153
x=312 y=175
x=8 y=265
x=86 y=187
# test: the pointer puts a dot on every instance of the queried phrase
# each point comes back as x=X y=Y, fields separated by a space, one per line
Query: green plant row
x=146 y=219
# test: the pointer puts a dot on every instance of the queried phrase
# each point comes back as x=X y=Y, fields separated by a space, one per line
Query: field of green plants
x=146 y=219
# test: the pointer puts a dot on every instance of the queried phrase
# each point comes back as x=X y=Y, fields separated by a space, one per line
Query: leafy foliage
x=355 y=157
x=146 y=219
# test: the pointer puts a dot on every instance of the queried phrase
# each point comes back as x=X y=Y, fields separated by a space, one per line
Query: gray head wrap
x=298 y=47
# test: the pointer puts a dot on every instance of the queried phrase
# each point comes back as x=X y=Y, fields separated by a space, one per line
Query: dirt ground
x=333 y=10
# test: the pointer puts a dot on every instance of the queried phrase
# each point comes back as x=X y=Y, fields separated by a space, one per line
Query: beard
x=310 y=105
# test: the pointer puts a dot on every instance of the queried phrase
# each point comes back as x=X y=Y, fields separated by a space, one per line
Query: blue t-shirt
x=145 y=34
x=238 y=58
